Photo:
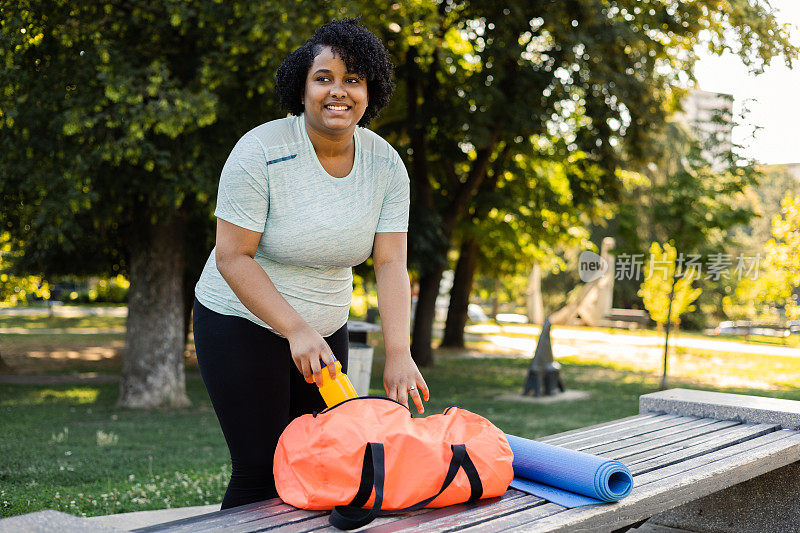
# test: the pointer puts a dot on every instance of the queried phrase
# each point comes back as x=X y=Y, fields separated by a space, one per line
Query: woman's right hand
x=308 y=347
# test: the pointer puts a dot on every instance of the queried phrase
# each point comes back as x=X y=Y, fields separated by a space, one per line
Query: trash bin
x=359 y=359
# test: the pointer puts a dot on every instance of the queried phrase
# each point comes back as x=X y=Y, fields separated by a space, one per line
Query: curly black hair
x=362 y=52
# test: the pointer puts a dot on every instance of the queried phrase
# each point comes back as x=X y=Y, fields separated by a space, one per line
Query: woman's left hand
x=401 y=378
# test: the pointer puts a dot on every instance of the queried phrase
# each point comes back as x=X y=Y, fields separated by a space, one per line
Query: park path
x=523 y=339
x=70 y=311
x=65 y=310
x=60 y=331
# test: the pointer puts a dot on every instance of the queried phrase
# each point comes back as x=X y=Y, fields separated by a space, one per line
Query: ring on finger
x=412 y=387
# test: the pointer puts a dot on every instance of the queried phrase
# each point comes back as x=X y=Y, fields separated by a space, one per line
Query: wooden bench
x=685 y=446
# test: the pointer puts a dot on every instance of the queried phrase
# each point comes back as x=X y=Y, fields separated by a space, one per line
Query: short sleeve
x=396 y=202
x=243 y=194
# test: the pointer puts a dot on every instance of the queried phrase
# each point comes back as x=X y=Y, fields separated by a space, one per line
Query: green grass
x=474 y=384
x=67 y=447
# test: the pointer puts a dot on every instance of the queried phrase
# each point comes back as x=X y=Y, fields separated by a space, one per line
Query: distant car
x=730 y=327
x=476 y=314
x=474 y=311
x=769 y=332
x=511 y=318
x=746 y=327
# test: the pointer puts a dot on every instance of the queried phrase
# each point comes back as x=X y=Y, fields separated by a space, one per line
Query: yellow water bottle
x=338 y=389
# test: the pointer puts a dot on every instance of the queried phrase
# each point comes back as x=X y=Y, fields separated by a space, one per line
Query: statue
x=543 y=375
x=593 y=302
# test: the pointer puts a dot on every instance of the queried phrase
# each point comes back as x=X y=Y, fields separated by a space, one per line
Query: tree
x=774 y=184
x=759 y=290
x=757 y=294
x=696 y=198
x=782 y=253
x=698 y=192
x=477 y=77
x=667 y=294
x=115 y=118
x=520 y=214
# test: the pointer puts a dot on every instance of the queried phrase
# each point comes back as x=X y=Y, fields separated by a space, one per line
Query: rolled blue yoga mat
x=567 y=477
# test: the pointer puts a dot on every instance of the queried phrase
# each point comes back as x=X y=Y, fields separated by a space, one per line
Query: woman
x=301 y=200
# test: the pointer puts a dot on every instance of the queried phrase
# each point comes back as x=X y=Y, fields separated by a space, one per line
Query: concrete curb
x=137 y=519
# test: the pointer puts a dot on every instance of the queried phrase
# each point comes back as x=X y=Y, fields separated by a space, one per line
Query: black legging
x=256 y=390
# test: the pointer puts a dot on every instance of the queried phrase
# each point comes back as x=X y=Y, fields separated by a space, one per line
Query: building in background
x=794 y=170
x=710 y=116
x=788 y=169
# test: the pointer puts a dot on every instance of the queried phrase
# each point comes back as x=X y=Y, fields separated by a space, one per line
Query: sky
x=775 y=105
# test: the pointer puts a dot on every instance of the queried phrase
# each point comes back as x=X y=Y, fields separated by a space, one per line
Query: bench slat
x=641 y=430
x=691 y=448
x=454 y=516
x=647 y=448
x=611 y=423
x=321 y=522
x=525 y=517
x=425 y=519
x=272 y=507
x=615 y=427
x=689 y=464
x=671 y=434
x=256 y=522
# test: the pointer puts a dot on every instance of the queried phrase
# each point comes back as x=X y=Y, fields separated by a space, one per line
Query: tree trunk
x=534 y=294
x=459 y=295
x=664 y=378
x=421 y=349
x=152 y=365
x=496 y=299
x=188 y=304
x=4 y=367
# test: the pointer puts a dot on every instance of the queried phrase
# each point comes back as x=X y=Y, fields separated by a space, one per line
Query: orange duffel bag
x=369 y=452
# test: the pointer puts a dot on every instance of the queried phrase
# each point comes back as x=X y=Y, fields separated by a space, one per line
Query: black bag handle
x=373 y=474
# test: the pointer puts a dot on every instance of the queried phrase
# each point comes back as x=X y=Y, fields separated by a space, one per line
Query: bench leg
x=770 y=502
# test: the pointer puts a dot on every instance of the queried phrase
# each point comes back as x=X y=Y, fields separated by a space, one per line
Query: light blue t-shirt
x=314 y=227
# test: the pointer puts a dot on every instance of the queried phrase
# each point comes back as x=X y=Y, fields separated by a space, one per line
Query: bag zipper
x=364 y=398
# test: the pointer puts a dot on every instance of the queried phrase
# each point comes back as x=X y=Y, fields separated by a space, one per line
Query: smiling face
x=334 y=99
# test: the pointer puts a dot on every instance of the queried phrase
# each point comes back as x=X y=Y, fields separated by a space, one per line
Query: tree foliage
x=116 y=115
x=661 y=272
x=782 y=253
x=761 y=290
x=16 y=289
x=758 y=295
